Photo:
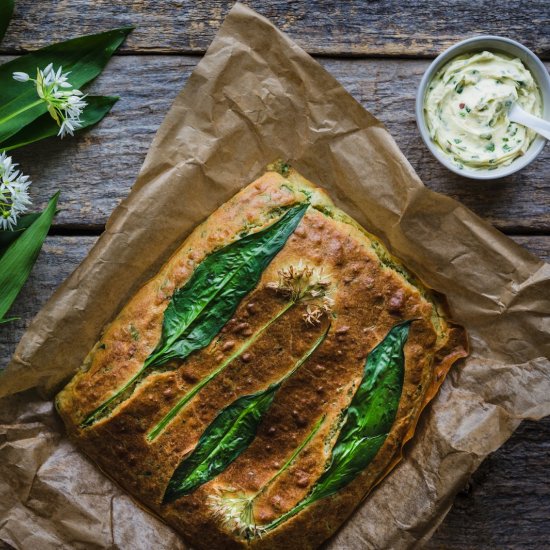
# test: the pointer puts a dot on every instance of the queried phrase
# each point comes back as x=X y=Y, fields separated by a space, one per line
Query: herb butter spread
x=467 y=104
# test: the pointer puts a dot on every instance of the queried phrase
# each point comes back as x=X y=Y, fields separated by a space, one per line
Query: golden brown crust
x=371 y=291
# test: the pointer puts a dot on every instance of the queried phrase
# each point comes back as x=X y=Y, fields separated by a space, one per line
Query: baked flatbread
x=256 y=390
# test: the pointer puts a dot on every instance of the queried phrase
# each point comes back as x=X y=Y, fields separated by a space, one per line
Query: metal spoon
x=517 y=114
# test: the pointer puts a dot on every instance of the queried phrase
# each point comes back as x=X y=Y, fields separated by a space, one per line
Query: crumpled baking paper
x=253 y=98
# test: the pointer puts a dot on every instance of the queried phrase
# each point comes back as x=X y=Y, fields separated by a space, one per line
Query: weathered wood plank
x=57 y=260
x=96 y=170
x=506 y=503
x=354 y=27
x=537 y=245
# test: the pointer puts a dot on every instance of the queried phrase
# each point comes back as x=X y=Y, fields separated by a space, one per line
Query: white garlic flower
x=14 y=198
x=65 y=104
x=236 y=513
x=305 y=284
x=21 y=77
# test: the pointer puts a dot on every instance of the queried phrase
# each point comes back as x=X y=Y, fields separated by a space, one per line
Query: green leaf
x=8 y=236
x=6 y=11
x=44 y=126
x=371 y=413
x=199 y=309
x=224 y=440
x=369 y=419
x=17 y=261
x=229 y=435
x=84 y=57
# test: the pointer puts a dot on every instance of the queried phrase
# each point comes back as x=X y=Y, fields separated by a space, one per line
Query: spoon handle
x=542 y=127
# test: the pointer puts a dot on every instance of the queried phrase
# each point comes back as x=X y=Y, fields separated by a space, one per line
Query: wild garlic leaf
x=199 y=309
x=8 y=236
x=370 y=414
x=6 y=11
x=369 y=419
x=223 y=441
x=84 y=57
x=45 y=126
x=16 y=263
x=229 y=435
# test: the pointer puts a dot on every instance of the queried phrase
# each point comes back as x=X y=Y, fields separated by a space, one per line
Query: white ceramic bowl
x=471 y=45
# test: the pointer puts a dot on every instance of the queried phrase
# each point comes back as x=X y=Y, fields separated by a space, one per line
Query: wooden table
x=378 y=50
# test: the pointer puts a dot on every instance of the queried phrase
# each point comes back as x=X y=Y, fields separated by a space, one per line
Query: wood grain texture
x=505 y=504
x=96 y=170
x=353 y=27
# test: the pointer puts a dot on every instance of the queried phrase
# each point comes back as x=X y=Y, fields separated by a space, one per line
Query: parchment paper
x=255 y=97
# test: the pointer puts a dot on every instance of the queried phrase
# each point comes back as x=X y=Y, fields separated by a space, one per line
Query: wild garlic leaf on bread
x=200 y=308
x=368 y=421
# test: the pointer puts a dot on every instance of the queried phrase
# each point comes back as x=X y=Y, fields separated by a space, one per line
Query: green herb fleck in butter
x=466 y=109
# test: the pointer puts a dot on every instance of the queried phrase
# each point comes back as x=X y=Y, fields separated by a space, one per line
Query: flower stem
x=237 y=511
x=100 y=411
x=172 y=413
x=151 y=361
x=287 y=515
x=291 y=459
